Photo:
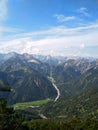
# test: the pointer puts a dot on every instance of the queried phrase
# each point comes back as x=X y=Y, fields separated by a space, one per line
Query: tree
x=9 y=118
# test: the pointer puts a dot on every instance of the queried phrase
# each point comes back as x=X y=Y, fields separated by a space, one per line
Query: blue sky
x=55 y=27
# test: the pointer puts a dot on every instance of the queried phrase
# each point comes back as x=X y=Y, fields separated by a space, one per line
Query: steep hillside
x=28 y=82
x=85 y=102
x=30 y=86
x=67 y=73
x=64 y=79
x=5 y=88
x=88 y=80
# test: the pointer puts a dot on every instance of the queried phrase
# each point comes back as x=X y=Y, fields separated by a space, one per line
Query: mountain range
x=34 y=77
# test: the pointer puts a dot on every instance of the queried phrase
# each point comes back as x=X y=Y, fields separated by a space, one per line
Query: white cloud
x=62 y=18
x=83 y=11
x=7 y=30
x=58 y=40
x=82 y=46
x=51 y=33
x=3 y=10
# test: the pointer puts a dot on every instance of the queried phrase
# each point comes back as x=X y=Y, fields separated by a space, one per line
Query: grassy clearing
x=24 y=105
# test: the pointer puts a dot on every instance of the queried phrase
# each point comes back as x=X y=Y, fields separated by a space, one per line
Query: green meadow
x=25 y=105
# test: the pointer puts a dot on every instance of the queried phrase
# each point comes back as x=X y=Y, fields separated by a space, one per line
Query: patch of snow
x=34 y=61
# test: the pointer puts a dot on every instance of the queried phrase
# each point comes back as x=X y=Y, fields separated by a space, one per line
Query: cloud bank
x=58 y=40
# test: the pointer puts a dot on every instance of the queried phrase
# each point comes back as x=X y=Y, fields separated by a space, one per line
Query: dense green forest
x=9 y=119
x=13 y=120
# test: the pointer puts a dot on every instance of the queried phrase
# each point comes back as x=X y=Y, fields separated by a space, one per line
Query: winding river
x=55 y=86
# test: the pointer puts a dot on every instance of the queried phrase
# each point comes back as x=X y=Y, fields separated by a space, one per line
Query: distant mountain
x=51 y=60
x=4 y=57
x=81 y=65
